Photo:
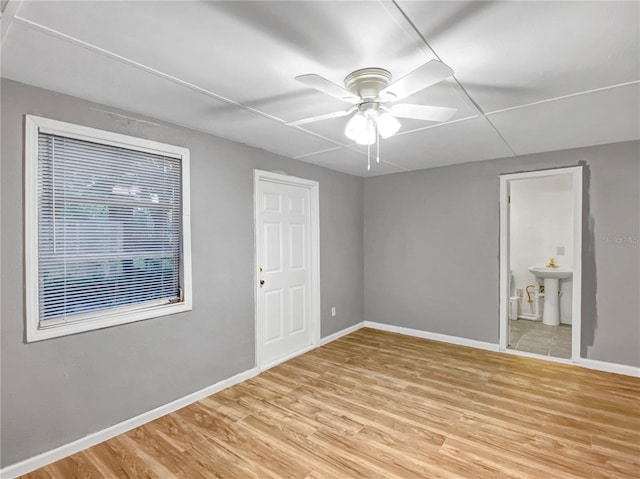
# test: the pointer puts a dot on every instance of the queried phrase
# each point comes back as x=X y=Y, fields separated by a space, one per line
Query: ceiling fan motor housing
x=367 y=83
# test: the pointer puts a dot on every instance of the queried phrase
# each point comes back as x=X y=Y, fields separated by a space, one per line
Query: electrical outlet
x=333 y=311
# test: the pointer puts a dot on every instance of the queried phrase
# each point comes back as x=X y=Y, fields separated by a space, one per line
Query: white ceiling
x=529 y=76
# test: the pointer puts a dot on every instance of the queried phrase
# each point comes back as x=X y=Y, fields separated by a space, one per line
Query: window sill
x=39 y=333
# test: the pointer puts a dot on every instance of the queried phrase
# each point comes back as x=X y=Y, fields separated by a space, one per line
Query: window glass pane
x=108 y=227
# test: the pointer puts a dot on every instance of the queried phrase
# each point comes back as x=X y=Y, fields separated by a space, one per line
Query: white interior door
x=285 y=291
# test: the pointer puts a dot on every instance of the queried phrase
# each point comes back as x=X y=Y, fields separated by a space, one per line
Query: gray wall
x=431 y=246
x=59 y=390
x=430 y=263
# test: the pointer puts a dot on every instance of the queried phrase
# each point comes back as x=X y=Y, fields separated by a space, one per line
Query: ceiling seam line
x=500 y=135
x=333 y=168
x=562 y=97
x=129 y=62
x=424 y=40
x=165 y=123
x=473 y=102
x=8 y=16
x=345 y=147
x=466 y=118
x=160 y=74
x=405 y=16
x=401 y=168
x=394 y=10
x=319 y=152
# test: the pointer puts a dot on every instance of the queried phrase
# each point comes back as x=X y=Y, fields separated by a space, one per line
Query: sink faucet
x=552 y=263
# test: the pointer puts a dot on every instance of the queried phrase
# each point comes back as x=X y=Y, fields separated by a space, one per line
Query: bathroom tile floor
x=536 y=337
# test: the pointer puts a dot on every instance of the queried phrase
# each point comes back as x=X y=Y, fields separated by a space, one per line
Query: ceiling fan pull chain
x=377 y=144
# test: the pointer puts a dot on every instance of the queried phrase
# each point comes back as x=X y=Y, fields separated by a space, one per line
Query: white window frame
x=35 y=125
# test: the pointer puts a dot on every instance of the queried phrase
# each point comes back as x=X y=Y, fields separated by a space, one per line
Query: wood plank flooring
x=375 y=404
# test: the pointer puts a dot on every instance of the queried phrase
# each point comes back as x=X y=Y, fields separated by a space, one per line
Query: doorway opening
x=541 y=263
x=287 y=253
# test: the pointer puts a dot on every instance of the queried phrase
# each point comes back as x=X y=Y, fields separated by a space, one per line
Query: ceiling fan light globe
x=361 y=129
x=366 y=138
x=356 y=124
x=388 y=125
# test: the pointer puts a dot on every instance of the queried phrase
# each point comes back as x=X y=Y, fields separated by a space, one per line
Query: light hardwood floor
x=376 y=404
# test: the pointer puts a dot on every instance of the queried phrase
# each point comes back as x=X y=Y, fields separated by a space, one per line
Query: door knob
x=261 y=282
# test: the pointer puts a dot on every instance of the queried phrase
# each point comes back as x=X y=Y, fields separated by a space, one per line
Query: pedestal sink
x=551 y=277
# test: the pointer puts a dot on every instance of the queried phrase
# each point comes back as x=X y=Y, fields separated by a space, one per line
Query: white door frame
x=314 y=200
x=576 y=316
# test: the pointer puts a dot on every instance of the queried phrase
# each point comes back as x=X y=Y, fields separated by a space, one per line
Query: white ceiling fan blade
x=328 y=87
x=327 y=116
x=422 y=77
x=422 y=112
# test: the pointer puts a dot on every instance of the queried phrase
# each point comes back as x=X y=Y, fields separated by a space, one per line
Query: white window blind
x=109 y=227
x=105 y=229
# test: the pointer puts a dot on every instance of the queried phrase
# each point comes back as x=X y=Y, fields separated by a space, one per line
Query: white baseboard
x=339 y=334
x=41 y=460
x=434 y=336
x=583 y=362
x=610 y=367
x=61 y=452
x=286 y=358
x=323 y=341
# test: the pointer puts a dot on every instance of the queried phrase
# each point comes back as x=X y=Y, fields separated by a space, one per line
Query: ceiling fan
x=374 y=96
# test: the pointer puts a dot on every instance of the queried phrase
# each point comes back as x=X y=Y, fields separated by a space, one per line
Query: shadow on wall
x=589 y=281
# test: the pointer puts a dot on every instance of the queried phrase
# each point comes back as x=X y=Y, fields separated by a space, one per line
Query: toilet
x=513 y=307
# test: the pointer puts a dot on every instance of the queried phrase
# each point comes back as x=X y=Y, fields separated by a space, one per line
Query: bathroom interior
x=541 y=265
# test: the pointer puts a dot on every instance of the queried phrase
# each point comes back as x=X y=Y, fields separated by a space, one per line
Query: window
x=107 y=229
